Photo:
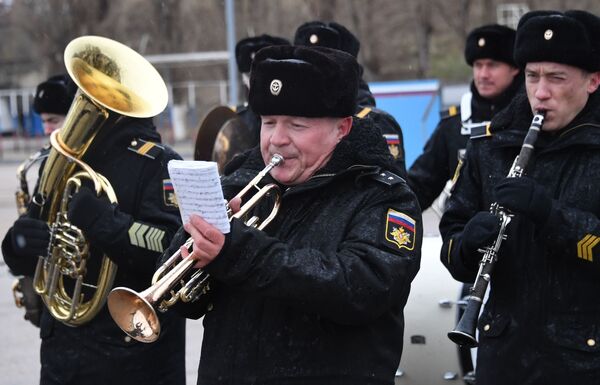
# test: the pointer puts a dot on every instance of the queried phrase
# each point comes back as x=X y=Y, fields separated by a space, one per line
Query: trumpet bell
x=95 y=65
x=134 y=314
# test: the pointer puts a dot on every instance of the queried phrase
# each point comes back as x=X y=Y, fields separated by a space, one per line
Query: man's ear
x=514 y=71
x=594 y=82
x=344 y=127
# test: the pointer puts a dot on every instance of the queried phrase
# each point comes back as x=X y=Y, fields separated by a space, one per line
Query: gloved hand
x=524 y=196
x=30 y=237
x=85 y=208
x=30 y=300
x=479 y=232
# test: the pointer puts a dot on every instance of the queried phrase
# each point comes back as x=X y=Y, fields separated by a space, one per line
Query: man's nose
x=542 y=91
x=484 y=72
x=280 y=136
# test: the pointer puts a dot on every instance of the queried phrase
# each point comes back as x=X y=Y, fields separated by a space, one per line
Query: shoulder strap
x=387 y=177
x=145 y=148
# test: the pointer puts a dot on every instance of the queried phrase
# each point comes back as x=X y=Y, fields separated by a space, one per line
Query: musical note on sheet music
x=198 y=190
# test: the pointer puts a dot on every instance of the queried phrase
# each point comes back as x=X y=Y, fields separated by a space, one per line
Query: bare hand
x=235 y=204
x=208 y=241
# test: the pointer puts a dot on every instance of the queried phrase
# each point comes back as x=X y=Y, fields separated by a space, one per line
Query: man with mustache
x=540 y=323
x=496 y=79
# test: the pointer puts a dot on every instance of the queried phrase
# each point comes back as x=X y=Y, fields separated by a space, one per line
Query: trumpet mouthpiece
x=276 y=159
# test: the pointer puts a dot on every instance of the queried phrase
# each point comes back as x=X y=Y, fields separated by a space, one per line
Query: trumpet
x=135 y=312
x=464 y=333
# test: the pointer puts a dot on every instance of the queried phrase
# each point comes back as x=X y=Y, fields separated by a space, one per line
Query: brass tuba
x=112 y=78
x=134 y=312
x=22 y=287
x=22 y=196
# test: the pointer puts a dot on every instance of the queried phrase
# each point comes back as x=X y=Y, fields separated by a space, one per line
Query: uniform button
x=209 y=307
x=487 y=327
x=134 y=142
x=127 y=339
x=591 y=342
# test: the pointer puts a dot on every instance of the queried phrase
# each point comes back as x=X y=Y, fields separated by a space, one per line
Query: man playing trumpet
x=318 y=296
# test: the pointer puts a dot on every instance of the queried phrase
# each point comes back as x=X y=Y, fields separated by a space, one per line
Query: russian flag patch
x=169 y=193
x=400 y=229
x=393 y=142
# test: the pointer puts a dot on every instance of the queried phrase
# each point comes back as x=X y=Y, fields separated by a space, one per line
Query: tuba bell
x=114 y=82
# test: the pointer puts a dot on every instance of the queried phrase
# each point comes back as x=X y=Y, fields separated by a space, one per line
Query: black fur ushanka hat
x=331 y=35
x=571 y=38
x=55 y=95
x=246 y=49
x=303 y=81
x=490 y=42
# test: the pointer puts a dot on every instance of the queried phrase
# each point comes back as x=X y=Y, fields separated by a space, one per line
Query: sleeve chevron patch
x=146 y=236
x=585 y=247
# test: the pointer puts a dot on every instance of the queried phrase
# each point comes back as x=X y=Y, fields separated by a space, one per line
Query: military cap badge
x=275 y=87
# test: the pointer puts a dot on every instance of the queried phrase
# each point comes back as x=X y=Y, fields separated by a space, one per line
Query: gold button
x=591 y=342
x=487 y=327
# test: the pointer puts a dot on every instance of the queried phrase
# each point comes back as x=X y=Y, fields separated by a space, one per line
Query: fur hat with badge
x=303 y=81
x=55 y=95
x=331 y=35
x=492 y=41
x=571 y=38
x=246 y=49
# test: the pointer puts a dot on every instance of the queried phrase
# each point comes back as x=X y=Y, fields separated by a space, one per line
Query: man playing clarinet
x=540 y=323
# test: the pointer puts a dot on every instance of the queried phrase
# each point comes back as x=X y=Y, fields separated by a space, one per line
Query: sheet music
x=198 y=190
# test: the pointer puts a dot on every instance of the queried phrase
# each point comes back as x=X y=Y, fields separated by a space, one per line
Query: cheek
x=530 y=89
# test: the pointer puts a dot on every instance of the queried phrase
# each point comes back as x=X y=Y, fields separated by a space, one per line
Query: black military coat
x=437 y=164
x=142 y=226
x=318 y=297
x=540 y=324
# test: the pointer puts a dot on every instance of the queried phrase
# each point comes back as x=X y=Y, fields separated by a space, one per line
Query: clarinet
x=464 y=333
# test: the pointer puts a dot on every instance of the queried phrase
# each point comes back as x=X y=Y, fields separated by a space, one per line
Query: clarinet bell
x=464 y=333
